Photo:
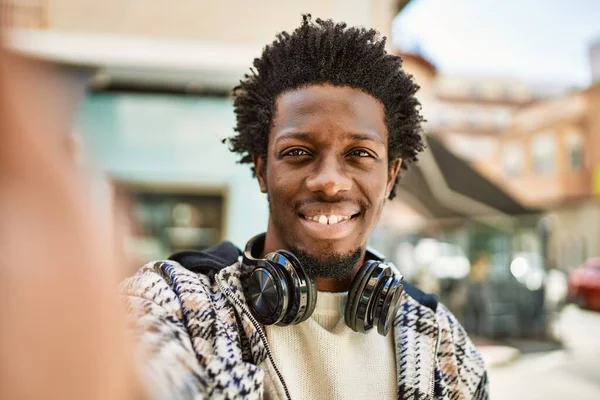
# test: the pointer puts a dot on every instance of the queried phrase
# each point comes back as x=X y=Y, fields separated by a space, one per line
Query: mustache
x=320 y=199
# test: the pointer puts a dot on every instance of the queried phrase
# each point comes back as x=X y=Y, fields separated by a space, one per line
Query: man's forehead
x=329 y=104
x=314 y=97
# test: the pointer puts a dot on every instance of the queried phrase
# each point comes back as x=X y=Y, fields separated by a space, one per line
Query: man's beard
x=333 y=266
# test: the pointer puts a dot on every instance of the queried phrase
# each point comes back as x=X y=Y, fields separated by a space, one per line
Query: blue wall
x=174 y=140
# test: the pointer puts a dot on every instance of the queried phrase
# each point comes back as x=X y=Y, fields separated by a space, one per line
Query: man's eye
x=360 y=153
x=296 y=153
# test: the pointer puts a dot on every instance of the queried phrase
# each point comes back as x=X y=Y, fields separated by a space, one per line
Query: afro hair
x=325 y=52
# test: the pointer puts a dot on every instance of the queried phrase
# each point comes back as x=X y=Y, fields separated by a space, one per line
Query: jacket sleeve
x=483 y=390
x=169 y=368
x=461 y=365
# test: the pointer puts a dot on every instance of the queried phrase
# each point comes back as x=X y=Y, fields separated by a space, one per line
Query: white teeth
x=331 y=219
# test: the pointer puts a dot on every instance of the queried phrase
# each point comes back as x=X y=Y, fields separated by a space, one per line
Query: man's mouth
x=329 y=219
x=329 y=226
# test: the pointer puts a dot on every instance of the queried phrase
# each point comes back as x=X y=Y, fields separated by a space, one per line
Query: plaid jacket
x=199 y=341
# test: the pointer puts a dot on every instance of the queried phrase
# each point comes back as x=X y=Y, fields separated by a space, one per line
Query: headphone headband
x=253 y=249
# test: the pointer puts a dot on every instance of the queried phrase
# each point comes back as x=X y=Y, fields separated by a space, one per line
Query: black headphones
x=279 y=291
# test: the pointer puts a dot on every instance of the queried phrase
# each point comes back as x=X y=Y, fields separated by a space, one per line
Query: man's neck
x=333 y=285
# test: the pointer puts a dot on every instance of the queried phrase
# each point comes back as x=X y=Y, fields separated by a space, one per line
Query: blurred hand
x=62 y=330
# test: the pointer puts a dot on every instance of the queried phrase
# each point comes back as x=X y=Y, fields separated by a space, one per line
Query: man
x=326 y=119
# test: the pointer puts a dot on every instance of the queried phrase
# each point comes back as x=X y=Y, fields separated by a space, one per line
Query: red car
x=584 y=284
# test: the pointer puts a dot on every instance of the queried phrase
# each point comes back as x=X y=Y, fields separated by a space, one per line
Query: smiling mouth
x=332 y=219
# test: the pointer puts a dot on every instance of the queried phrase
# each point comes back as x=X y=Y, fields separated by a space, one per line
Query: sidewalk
x=498 y=353
x=494 y=353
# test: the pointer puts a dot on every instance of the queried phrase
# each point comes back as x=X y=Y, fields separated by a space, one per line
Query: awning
x=446 y=186
x=123 y=59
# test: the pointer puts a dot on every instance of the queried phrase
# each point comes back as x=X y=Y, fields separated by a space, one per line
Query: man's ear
x=392 y=174
x=260 y=171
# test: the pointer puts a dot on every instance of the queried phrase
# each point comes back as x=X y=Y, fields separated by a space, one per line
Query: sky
x=540 y=41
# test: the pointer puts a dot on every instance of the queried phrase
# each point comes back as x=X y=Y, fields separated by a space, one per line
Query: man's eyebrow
x=305 y=136
x=293 y=135
x=365 y=136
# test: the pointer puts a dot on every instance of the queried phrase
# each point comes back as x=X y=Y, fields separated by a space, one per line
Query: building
x=548 y=157
x=456 y=233
x=538 y=142
x=470 y=113
x=158 y=108
x=195 y=46
x=158 y=103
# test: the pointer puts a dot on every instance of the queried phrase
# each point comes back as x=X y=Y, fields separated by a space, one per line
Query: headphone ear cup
x=356 y=289
x=267 y=294
x=302 y=289
x=387 y=304
x=311 y=294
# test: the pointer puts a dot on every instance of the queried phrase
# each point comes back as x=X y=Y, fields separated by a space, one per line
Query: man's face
x=327 y=174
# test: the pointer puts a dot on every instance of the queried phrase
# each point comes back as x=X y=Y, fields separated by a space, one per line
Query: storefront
x=184 y=188
x=479 y=250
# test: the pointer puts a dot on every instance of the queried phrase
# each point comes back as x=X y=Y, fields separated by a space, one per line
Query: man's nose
x=329 y=177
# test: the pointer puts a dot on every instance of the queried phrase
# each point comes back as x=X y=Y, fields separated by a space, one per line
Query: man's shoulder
x=432 y=309
x=208 y=261
x=451 y=325
x=167 y=287
x=425 y=299
x=156 y=280
x=189 y=267
x=428 y=332
x=460 y=357
x=461 y=367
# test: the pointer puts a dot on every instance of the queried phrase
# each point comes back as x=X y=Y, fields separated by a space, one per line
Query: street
x=571 y=373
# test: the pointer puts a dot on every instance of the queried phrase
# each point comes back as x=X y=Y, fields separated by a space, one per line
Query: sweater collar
x=330 y=304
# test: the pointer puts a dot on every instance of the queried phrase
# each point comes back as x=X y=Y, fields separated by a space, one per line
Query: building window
x=575 y=149
x=477 y=91
x=543 y=153
x=472 y=147
x=502 y=116
x=165 y=223
x=512 y=159
x=442 y=117
x=474 y=116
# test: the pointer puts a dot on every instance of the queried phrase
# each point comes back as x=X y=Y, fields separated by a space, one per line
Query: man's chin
x=329 y=264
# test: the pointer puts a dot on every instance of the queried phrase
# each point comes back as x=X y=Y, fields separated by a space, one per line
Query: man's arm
x=169 y=365
x=188 y=336
x=63 y=330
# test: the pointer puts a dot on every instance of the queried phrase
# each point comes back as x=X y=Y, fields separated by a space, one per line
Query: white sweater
x=322 y=358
